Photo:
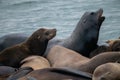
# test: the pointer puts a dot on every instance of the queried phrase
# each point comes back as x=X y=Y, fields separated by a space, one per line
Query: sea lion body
x=56 y=74
x=98 y=60
x=108 y=71
x=35 y=62
x=62 y=57
x=85 y=36
x=20 y=73
x=35 y=45
x=11 y=39
x=6 y=71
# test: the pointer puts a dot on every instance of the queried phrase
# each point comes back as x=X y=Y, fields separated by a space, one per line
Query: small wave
x=24 y=3
x=16 y=2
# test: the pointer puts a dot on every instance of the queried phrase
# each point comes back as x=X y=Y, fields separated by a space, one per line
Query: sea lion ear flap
x=38 y=37
x=109 y=42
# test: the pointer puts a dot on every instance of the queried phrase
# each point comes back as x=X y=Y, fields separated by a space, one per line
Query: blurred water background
x=26 y=16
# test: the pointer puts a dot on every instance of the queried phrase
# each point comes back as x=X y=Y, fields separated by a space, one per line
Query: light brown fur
x=35 y=62
x=108 y=71
x=114 y=44
x=63 y=57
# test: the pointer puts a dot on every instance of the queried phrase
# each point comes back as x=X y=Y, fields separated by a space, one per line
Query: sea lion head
x=43 y=34
x=93 y=21
x=114 y=44
x=38 y=41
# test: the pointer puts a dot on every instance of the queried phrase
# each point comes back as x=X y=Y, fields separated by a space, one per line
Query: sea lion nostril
x=92 y=13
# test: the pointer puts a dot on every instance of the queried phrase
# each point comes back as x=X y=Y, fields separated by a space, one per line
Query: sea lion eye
x=92 y=13
x=39 y=37
x=84 y=20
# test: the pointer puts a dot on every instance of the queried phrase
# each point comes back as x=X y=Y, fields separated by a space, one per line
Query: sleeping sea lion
x=35 y=62
x=108 y=71
x=35 y=45
x=98 y=60
x=56 y=74
x=62 y=57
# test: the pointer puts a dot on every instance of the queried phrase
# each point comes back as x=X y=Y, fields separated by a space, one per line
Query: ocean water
x=26 y=16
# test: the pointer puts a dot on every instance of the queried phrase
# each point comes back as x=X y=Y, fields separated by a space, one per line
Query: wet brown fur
x=35 y=45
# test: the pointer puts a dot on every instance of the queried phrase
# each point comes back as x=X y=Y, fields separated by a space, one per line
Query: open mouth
x=100 y=17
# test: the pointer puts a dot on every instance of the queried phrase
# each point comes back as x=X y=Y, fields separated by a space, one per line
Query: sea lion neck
x=76 y=37
x=37 y=47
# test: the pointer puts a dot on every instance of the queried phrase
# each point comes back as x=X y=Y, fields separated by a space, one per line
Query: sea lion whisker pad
x=36 y=44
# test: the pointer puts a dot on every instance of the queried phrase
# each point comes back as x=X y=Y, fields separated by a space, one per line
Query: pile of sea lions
x=78 y=57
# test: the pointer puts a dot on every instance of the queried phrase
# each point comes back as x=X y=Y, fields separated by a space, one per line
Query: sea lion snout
x=100 y=18
x=100 y=12
x=50 y=33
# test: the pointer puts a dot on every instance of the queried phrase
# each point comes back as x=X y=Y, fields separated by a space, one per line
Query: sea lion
x=20 y=73
x=11 y=39
x=108 y=71
x=99 y=50
x=62 y=57
x=6 y=71
x=114 y=44
x=98 y=60
x=35 y=62
x=35 y=45
x=84 y=37
x=56 y=74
